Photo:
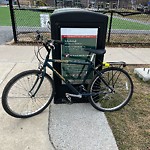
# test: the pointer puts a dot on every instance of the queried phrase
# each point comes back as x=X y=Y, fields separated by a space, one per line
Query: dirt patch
x=130 y=38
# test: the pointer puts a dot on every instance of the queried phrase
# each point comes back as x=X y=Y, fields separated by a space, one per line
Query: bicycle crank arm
x=73 y=95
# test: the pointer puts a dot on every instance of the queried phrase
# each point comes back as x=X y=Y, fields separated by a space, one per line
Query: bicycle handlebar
x=50 y=43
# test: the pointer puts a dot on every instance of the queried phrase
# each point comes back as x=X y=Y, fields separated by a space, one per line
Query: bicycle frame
x=109 y=88
x=89 y=63
x=67 y=82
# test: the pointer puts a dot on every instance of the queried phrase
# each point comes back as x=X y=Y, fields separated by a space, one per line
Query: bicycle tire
x=105 y=100
x=17 y=99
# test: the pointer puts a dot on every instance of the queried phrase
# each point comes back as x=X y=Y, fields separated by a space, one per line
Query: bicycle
x=30 y=92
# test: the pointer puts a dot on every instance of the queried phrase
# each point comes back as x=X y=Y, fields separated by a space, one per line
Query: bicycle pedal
x=68 y=98
x=68 y=95
x=66 y=101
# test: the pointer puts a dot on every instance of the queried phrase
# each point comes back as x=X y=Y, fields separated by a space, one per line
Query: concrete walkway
x=59 y=127
x=129 y=55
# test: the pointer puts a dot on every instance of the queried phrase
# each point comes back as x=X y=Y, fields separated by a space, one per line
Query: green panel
x=75 y=42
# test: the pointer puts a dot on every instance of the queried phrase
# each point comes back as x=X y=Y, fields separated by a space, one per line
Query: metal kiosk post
x=77 y=28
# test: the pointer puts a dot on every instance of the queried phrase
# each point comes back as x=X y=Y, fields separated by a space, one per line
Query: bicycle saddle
x=96 y=51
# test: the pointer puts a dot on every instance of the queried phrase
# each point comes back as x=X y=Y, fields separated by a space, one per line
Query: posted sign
x=44 y=18
x=75 y=41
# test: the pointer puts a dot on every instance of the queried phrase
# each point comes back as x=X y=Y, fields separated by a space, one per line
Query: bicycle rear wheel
x=103 y=98
x=18 y=98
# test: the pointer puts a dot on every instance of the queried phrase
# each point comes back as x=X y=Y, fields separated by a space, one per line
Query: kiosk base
x=61 y=98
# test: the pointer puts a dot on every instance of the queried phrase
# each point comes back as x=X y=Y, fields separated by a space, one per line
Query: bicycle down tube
x=46 y=64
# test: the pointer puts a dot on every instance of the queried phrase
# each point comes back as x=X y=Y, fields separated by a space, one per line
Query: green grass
x=125 y=24
x=27 y=18
x=32 y=19
x=23 y=18
x=5 y=16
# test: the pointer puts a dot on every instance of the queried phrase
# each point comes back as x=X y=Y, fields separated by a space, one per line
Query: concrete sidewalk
x=60 y=127
x=22 y=134
x=129 y=55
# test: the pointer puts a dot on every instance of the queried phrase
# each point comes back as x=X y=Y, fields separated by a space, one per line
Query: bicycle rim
x=103 y=98
x=18 y=99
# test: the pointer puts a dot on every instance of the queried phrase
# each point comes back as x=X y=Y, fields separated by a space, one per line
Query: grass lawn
x=5 y=19
x=127 y=24
x=131 y=125
x=27 y=18
x=23 y=18
x=32 y=19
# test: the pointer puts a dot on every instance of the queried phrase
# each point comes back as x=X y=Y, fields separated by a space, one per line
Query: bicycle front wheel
x=102 y=97
x=23 y=97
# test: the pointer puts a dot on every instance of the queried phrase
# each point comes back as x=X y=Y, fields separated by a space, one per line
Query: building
x=104 y=4
x=100 y=4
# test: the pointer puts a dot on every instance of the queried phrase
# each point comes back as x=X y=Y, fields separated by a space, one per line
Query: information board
x=75 y=41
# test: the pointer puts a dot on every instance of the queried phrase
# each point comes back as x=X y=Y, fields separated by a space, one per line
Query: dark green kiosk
x=78 y=29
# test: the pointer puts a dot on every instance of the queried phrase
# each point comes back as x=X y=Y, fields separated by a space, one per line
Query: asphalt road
x=6 y=34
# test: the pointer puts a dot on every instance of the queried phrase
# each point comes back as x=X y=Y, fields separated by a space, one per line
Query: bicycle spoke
x=18 y=97
x=107 y=99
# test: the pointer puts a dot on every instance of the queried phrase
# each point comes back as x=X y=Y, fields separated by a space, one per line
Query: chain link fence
x=128 y=27
x=124 y=27
x=28 y=21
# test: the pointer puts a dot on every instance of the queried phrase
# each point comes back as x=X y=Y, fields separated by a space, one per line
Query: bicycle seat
x=96 y=51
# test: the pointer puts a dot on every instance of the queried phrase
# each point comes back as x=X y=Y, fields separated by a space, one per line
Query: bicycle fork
x=36 y=85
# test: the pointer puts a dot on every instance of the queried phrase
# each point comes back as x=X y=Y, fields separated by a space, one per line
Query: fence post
x=18 y=3
x=13 y=20
x=110 y=26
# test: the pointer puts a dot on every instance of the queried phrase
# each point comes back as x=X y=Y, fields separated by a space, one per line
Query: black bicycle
x=30 y=92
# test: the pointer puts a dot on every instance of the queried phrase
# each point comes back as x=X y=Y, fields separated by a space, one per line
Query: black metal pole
x=110 y=26
x=13 y=20
x=55 y=1
x=18 y=3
